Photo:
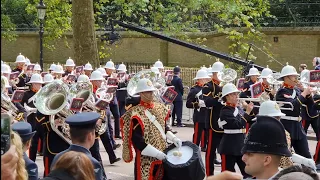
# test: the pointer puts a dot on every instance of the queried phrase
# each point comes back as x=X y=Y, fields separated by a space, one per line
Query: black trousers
x=229 y=161
x=36 y=142
x=47 y=161
x=122 y=109
x=200 y=134
x=177 y=111
x=314 y=124
x=214 y=139
x=301 y=146
x=114 y=108
x=107 y=143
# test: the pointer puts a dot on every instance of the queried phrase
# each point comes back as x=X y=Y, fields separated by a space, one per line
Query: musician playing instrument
x=52 y=68
x=58 y=72
x=292 y=120
x=88 y=69
x=144 y=128
x=211 y=95
x=196 y=102
x=69 y=67
x=233 y=124
x=21 y=68
x=265 y=73
x=121 y=93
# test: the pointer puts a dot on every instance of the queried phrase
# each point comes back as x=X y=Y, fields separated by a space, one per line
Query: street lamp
x=41 y=7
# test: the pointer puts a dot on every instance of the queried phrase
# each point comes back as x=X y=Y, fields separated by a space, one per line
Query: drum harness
x=154 y=121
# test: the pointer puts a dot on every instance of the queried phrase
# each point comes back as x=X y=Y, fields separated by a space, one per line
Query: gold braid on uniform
x=19 y=117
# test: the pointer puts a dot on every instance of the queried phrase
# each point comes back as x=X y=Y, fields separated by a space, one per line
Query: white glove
x=201 y=103
x=296 y=158
x=151 y=151
x=177 y=142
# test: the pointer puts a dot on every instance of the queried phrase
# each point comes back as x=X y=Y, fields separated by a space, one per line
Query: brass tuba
x=227 y=75
x=52 y=100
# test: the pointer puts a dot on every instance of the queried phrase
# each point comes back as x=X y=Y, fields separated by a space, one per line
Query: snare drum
x=187 y=166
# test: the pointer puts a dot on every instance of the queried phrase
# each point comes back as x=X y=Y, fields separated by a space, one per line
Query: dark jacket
x=31 y=168
x=59 y=174
x=178 y=87
x=199 y=114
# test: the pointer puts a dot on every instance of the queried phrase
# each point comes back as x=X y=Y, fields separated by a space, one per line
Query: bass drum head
x=189 y=166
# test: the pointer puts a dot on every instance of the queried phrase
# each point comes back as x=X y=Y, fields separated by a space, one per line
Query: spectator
x=72 y=165
x=178 y=102
x=9 y=161
x=21 y=169
x=297 y=172
x=302 y=67
x=24 y=129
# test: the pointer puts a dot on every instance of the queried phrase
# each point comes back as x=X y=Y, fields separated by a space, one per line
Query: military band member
x=24 y=130
x=158 y=64
x=211 y=95
x=266 y=72
x=114 y=108
x=58 y=72
x=27 y=102
x=246 y=92
x=37 y=69
x=5 y=70
x=317 y=153
x=291 y=121
x=88 y=69
x=122 y=89
x=147 y=139
x=21 y=67
x=52 y=68
x=82 y=131
x=233 y=124
x=69 y=67
x=316 y=63
x=196 y=102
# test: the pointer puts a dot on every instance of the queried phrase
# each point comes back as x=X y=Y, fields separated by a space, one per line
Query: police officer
x=25 y=132
x=233 y=124
x=316 y=63
x=114 y=108
x=194 y=101
x=211 y=95
x=69 y=67
x=178 y=101
x=122 y=89
x=246 y=92
x=27 y=102
x=82 y=131
x=291 y=121
x=265 y=73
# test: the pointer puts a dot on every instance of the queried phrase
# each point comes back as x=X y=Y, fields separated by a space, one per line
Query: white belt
x=234 y=131
x=291 y=118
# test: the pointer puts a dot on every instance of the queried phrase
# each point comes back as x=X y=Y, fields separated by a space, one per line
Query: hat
x=288 y=71
x=24 y=130
x=86 y=120
x=158 y=64
x=144 y=85
x=176 y=69
x=216 y=67
x=266 y=136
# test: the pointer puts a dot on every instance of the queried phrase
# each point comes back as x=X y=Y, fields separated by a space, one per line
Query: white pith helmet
x=37 y=67
x=270 y=108
x=253 y=72
x=52 y=67
x=228 y=89
x=202 y=74
x=35 y=78
x=69 y=62
x=5 y=68
x=20 y=59
x=110 y=65
x=144 y=85
x=88 y=67
x=155 y=70
x=96 y=75
x=28 y=61
x=217 y=67
x=102 y=71
x=58 y=69
x=158 y=64
x=288 y=71
x=266 y=72
x=122 y=67
x=83 y=78
x=48 y=78
x=6 y=82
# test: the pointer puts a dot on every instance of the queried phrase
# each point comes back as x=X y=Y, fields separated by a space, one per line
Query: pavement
x=124 y=171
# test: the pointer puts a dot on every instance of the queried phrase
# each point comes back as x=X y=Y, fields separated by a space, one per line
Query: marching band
x=143 y=103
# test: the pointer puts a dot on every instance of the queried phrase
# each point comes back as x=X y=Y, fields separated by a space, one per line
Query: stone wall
x=295 y=45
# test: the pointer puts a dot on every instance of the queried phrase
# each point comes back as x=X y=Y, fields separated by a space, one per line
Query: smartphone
x=5 y=132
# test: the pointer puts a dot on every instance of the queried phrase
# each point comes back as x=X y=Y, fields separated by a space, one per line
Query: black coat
x=178 y=87
x=199 y=114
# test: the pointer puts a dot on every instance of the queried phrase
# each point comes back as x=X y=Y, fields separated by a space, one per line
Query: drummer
x=146 y=136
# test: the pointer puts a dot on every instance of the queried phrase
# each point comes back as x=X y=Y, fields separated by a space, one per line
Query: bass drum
x=187 y=166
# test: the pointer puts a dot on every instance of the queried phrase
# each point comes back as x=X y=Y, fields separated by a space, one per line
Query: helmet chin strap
x=146 y=98
x=294 y=81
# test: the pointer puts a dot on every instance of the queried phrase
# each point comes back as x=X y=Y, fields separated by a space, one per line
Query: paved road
x=124 y=171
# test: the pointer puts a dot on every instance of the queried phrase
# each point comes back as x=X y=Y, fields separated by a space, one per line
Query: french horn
x=52 y=100
x=227 y=75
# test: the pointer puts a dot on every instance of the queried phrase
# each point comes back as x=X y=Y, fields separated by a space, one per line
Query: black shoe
x=217 y=162
x=203 y=149
x=116 y=146
x=116 y=160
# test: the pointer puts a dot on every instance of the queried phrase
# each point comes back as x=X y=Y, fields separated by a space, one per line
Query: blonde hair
x=22 y=173
x=77 y=164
